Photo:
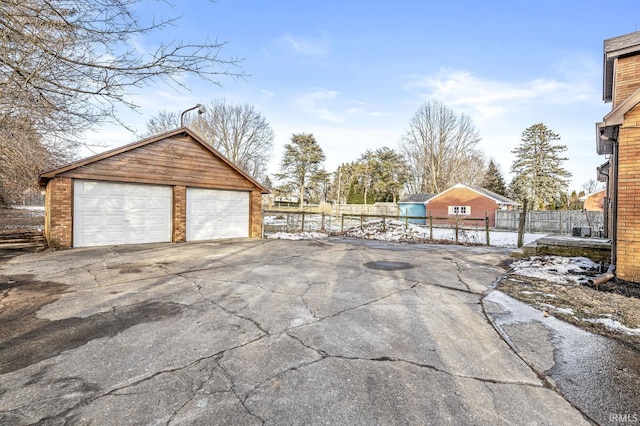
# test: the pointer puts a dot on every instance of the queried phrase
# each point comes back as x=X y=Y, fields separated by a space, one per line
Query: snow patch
x=556 y=269
x=615 y=326
x=300 y=236
x=566 y=311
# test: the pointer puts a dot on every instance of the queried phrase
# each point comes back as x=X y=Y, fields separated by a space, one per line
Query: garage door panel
x=213 y=214
x=108 y=213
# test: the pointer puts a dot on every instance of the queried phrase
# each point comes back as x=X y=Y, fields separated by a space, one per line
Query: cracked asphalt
x=263 y=332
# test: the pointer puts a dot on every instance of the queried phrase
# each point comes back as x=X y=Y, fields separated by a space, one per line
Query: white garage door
x=108 y=213
x=213 y=213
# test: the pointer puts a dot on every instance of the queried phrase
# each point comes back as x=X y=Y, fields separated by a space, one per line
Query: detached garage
x=171 y=187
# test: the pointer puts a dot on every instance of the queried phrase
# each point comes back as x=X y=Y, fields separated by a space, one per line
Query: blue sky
x=353 y=73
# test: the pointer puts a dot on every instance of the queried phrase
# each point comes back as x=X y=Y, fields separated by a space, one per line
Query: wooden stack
x=30 y=241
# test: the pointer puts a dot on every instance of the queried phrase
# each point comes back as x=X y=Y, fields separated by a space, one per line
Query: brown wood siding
x=439 y=207
x=173 y=161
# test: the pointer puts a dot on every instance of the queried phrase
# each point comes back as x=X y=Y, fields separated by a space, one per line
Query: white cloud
x=484 y=99
x=311 y=104
x=307 y=46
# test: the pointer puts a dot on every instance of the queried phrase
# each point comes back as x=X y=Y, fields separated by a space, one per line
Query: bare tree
x=592 y=186
x=239 y=132
x=164 y=121
x=68 y=65
x=441 y=149
x=22 y=157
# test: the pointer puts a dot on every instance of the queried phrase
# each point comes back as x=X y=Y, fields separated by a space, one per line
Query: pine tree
x=493 y=180
x=540 y=176
x=301 y=162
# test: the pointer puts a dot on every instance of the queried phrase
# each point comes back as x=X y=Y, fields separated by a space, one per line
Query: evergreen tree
x=301 y=161
x=540 y=176
x=378 y=175
x=493 y=180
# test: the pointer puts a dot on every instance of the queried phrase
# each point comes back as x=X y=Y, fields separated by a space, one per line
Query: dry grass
x=618 y=300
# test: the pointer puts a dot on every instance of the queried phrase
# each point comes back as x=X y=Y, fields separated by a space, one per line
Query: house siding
x=595 y=202
x=58 y=223
x=480 y=205
x=413 y=209
x=628 y=223
x=255 y=214
x=171 y=161
x=179 y=234
x=627 y=78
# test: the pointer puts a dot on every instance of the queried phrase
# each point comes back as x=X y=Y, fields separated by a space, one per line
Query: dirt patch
x=615 y=302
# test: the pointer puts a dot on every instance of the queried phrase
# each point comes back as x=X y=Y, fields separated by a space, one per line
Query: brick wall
x=627 y=78
x=628 y=232
x=255 y=215
x=439 y=207
x=59 y=212
x=179 y=234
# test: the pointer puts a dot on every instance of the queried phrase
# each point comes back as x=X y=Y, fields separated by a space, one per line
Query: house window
x=460 y=210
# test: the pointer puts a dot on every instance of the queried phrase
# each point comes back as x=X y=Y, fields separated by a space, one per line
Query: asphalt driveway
x=262 y=332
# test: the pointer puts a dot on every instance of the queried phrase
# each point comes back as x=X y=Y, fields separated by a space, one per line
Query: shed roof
x=482 y=191
x=624 y=45
x=182 y=131
x=416 y=198
x=584 y=197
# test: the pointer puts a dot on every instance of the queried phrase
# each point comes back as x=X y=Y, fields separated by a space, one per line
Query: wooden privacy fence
x=552 y=221
x=301 y=221
x=379 y=209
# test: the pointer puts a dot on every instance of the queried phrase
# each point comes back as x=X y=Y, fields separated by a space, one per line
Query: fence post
x=322 y=225
x=430 y=227
x=560 y=221
x=486 y=226
x=406 y=219
x=287 y=222
x=342 y=223
x=570 y=230
x=384 y=223
x=302 y=221
x=456 y=230
x=523 y=217
x=361 y=223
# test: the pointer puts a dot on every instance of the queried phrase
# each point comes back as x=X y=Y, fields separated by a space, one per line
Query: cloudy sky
x=353 y=73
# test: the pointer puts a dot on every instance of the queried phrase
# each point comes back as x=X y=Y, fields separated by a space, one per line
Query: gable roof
x=416 y=198
x=499 y=199
x=584 y=197
x=181 y=131
x=624 y=45
x=616 y=116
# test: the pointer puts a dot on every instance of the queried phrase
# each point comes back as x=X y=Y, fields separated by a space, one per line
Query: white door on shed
x=111 y=213
x=215 y=213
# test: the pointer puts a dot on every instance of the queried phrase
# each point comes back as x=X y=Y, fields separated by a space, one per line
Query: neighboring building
x=594 y=202
x=467 y=201
x=618 y=138
x=413 y=205
x=173 y=187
